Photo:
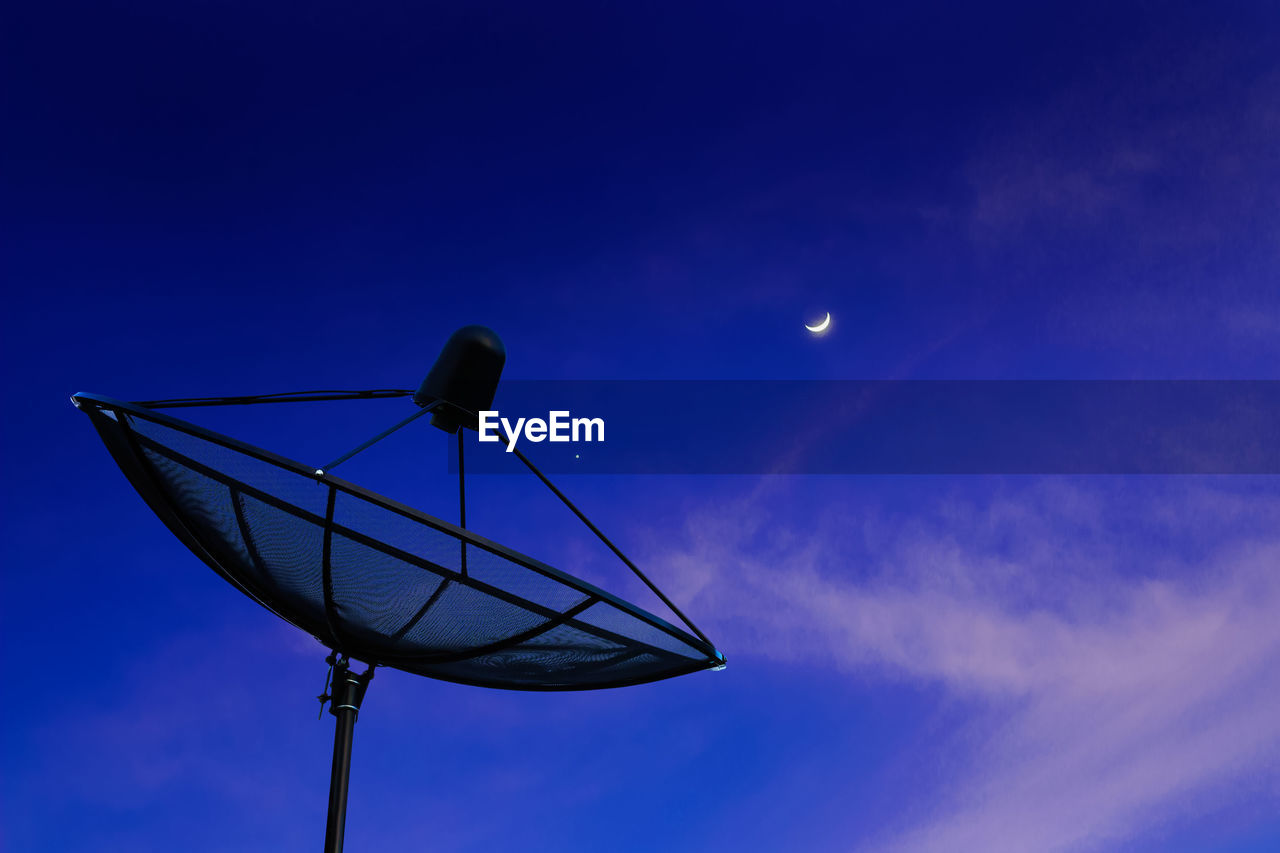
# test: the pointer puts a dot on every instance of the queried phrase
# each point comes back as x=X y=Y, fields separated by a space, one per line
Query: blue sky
x=222 y=199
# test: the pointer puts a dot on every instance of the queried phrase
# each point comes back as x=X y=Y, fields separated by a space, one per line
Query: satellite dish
x=378 y=581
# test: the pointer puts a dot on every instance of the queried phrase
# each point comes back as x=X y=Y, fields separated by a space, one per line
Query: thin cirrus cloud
x=1114 y=684
x=1152 y=145
x=1140 y=193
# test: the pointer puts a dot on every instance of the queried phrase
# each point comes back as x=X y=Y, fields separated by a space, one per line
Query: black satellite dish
x=380 y=582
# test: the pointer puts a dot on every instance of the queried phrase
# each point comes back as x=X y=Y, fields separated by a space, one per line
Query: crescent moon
x=821 y=327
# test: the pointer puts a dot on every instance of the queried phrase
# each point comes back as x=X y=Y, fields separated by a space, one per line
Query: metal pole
x=462 y=501
x=348 y=692
x=338 y=780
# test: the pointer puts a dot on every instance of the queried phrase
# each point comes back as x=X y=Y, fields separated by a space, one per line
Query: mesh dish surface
x=379 y=581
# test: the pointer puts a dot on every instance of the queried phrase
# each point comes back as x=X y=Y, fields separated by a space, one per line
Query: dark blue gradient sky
x=228 y=198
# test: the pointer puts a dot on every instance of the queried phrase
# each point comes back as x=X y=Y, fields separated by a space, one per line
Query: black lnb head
x=464 y=378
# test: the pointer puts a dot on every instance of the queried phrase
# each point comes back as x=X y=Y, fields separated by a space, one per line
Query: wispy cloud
x=1141 y=194
x=1115 y=678
x=1177 y=153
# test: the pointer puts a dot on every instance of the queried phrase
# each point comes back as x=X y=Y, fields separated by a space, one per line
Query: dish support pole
x=348 y=692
